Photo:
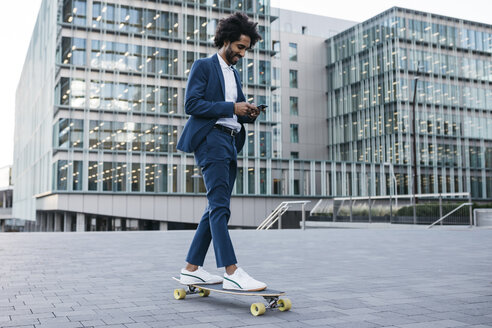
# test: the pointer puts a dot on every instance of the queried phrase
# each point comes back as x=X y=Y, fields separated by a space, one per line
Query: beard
x=231 y=56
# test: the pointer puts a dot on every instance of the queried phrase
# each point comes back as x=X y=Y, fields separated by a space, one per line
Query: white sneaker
x=199 y=276
x=240 y=280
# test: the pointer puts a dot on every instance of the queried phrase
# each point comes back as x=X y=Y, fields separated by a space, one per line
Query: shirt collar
x=223 y=64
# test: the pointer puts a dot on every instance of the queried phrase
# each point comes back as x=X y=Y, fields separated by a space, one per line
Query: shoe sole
x=246 y=290
x=200 y=283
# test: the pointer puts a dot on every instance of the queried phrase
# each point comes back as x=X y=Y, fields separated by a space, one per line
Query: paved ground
x=335 y=278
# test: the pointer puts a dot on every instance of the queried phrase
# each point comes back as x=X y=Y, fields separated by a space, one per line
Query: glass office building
x=99 y=110
x=119 y=96
x=113 y=76
x=372 y=71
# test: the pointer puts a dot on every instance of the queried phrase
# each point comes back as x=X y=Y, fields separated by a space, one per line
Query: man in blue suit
x=215 y=133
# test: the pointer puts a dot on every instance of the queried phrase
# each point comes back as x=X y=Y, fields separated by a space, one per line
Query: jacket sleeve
x=245 y=119
x=195 y=102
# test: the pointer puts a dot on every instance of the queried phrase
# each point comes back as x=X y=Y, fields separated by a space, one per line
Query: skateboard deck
x=271 y=296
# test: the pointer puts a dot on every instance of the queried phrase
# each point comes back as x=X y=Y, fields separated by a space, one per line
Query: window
x=294 y=154
x=161 y=178
x=251 y=181
x=294 y=133
x=276 y=76
x=72 y=51
x=74 y=12
x=276 y=48
x=277 y=186
x=276 y=103
x=135 y=176
x=190 y=27
x=119 y=177
x=293 y=78
x=239 y=181
x=107 y=176
x=263 y=185
x=265 y=144
x=68 y=133
x=92 y=185
x=251 y=143
x=264 y=72
x=294 y=108
x=297 y=188
x=62 y=174
x=293 y=51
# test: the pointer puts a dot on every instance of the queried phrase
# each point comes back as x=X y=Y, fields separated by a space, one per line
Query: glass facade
x=372 y=71
x=110 y=107
x=119 y=96
x=119 y=107
x=113 y=87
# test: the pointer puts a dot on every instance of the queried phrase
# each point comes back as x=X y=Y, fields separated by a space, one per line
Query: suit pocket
x=219 y=146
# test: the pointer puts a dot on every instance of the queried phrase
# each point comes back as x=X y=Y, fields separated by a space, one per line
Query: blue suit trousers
x=217 y=156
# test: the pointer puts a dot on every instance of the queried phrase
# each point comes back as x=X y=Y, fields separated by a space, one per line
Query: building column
x=80 y=222
x=67 y=222
x=37 y=222
x=50 y=222
x=45 y=222
x=42 y=227
x=58 y=222
x=117 y=224
x=163 y=225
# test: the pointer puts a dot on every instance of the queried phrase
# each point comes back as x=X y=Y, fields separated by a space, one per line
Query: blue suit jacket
x=205 y=102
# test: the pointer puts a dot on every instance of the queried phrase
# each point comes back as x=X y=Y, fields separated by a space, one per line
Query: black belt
x=225 y=129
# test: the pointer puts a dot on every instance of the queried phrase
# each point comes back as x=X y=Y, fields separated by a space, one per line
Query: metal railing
x=445 y=216
x=402 y=209
x=276 y=215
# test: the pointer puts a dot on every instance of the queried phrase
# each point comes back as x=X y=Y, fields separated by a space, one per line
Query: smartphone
x=262 y=107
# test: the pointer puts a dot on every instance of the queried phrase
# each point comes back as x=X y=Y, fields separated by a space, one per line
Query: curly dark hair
x=232 y=27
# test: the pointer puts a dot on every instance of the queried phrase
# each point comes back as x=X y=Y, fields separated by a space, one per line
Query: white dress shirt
x=230 y=95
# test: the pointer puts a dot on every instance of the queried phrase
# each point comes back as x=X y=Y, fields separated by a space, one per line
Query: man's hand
x=254 y=112
x=244 y=109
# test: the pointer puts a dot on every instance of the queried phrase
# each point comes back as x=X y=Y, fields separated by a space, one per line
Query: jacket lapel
x=219 y=73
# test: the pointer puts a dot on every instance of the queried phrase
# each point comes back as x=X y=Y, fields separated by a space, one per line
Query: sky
x=17 y=20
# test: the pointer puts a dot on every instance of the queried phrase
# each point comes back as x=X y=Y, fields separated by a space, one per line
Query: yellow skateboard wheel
x=284 y=304
x=203 y=292
x=179 y=294
x=257 y=309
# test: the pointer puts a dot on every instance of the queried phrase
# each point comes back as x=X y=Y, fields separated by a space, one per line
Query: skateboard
x=271 y=296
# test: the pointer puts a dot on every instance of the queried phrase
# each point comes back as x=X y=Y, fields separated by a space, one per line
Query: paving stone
x=20 y=322
x=92 y=323
x=137 y=325
x=355 y=324
x=61 y=325
x=337 y=278
x=434 y=324
x=122 y=320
